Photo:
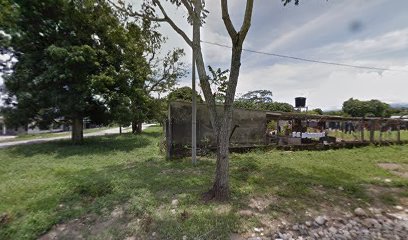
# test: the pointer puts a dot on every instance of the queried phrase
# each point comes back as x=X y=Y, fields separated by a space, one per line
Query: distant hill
x=399 y=105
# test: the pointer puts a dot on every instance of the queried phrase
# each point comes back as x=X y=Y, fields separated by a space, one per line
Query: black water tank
x=300 y=102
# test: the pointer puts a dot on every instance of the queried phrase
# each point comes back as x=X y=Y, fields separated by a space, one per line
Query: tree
x=221 y=120
x=316 y=111
x=257 y=96
x=7 y=17
x=165 y=72
x=373 y=108
x=269 y=106
x=183 y=94
x=163 y=77
x=77 y=60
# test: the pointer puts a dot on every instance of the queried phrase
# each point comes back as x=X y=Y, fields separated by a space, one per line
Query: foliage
x=335 y=113
x=77 y=61
x=165 y=72
x=372 y=108
x=183 y=94
x=261 y=100
x=272 y=125
x=264 y=106
x=218 y=81
x=318 y=111
x=257 y=96
x=6 y=53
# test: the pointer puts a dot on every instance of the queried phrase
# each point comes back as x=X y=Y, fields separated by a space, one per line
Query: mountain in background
x=399 y=105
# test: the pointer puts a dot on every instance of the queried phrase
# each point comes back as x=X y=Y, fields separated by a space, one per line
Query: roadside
x=9 y=142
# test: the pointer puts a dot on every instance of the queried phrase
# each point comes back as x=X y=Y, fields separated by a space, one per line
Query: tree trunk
x=136 y=127
x=139 y=127
x=77 y=130
x=220 y=189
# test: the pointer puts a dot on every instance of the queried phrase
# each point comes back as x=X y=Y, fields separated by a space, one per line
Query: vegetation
x=74 y=61
x=372 y=108
x=183 y=94
x=356 y=136
x=82 y=59
x=26 y=136
x=154 y=10
x=268 y=106
x=56 y=183
x=257 y=96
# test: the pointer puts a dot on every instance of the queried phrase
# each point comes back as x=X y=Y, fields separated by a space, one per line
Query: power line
x=307 y=60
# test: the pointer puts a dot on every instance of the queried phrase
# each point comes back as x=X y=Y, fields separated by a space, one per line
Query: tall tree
x=257 y=96
x=183 y=94
x=162 y=78
x=221 y=120
x=373 y=108
x=75 y=58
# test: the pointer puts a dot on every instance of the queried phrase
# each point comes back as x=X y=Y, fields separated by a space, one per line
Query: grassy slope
x=356 y=136
x=45 y=184
x=26 y=136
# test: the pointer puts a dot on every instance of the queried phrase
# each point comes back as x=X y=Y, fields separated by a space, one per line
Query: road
x=109 y=131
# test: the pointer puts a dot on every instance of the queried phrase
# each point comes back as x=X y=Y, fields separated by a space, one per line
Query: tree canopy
x=76 y=61
x=257 y=96
x=183 y=94
x=371 y=108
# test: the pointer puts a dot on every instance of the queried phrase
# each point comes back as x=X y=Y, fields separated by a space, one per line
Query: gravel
x=372 y=224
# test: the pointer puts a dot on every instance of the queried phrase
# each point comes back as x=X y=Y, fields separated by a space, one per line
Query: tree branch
x=135 y=13
x=172 y=24
x=165 y=18
x=188 y=7
x=246 y=24
x=227 y=20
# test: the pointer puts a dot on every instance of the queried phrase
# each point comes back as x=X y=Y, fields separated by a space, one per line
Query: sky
x=359 y=32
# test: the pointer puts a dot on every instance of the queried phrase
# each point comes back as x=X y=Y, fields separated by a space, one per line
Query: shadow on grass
x=309 y=186
x=98 y=145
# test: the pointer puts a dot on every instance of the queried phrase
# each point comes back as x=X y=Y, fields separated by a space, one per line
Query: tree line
x=82 y=59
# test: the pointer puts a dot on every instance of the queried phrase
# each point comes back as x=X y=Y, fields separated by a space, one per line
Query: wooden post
x=399 y=131
x=372 y=129
x=362 y=129
x=193 y=113
x=381 y=132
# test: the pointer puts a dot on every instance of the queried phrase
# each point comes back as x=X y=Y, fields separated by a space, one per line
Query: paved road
x=100 y=133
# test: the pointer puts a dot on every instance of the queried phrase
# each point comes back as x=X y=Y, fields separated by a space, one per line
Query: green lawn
x=52 y=183
x=31 y=136
x=356 y=136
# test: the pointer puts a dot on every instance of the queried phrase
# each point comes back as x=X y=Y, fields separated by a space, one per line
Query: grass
x=356 y=136
x=52 y=183
x=26 y=136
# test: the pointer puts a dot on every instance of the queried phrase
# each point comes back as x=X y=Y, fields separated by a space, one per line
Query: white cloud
x=384 y=46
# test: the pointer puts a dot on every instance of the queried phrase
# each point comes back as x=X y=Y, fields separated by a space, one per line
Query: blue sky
x=370 y=33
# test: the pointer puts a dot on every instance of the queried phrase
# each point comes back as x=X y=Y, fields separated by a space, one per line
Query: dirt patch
x=385 y=196
x=399 y=169
x=4 y=219
x=101 y=227
x=261 y=203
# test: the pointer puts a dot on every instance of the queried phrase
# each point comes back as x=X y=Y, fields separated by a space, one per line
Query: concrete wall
x=250 y=130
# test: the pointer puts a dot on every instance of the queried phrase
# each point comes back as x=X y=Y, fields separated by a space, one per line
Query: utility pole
x=194 y=115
